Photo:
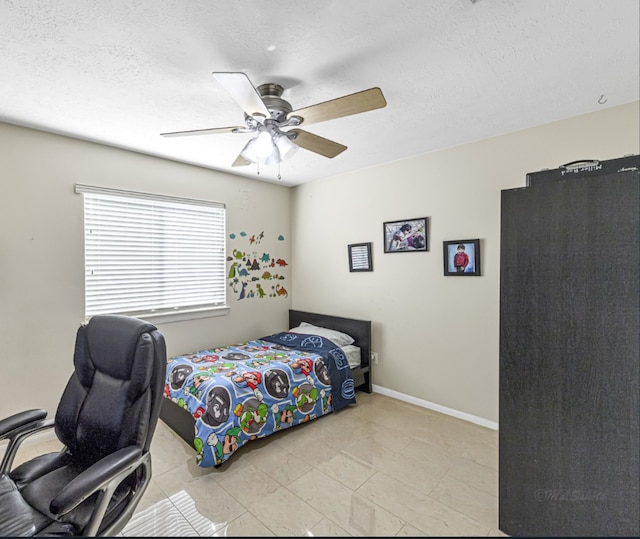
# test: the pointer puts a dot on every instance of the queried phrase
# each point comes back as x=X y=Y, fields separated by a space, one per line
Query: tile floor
x=379 y=468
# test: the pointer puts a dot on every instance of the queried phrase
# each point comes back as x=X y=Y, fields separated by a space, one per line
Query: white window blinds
x=151 y=254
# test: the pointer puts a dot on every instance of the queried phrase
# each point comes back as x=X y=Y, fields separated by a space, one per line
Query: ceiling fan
x=268 y=115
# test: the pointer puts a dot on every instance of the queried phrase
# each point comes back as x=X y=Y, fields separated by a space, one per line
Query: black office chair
x=105 y=419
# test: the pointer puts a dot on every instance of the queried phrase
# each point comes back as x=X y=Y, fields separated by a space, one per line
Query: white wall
x=42 y=264
x=437 y=337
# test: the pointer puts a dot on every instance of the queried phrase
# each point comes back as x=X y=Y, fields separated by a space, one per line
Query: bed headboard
x=360 y=330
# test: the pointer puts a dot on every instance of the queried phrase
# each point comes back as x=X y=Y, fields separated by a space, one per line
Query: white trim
x=82 y=188
x=435 y=407
x=187 y=314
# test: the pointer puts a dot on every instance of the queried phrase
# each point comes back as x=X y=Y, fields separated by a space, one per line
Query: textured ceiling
x=120 y=72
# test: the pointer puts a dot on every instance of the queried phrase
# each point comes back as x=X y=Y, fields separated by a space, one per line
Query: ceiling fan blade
x=317 y=144
x=364 y=101
x=203 y=131
x=244 y=93
x=240 y=160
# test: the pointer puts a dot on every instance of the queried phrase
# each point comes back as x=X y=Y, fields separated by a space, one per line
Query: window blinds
x=151 y=254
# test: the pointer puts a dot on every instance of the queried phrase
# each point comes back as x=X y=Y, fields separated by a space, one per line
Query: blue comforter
x=242 y=392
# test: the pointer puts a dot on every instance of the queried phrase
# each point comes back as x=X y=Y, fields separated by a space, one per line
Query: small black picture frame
x=406 y=236
x=360 y=257
x=461 y=258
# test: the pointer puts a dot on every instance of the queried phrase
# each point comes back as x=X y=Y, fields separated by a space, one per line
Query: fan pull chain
x=279 y=177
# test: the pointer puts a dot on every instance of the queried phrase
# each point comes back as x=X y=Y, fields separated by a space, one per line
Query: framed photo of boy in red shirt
x=461 y=257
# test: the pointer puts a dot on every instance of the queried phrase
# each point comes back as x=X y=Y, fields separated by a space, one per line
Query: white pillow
x=337 y=337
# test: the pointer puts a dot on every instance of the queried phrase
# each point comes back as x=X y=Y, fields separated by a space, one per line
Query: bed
x=219 y=399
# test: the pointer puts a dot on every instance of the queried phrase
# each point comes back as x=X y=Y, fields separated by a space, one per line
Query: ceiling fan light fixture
x=274 y=158
x=263 y=144
x=285 y=147
x=248 y=152
x=262 y=149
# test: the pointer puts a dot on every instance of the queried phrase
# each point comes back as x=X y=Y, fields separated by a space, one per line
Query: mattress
x=353 y=355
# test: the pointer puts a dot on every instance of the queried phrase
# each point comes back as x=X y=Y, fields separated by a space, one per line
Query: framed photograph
x=462 y=257
x=360 y=257
x=408 y=235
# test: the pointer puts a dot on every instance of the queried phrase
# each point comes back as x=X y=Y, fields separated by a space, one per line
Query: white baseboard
x=435 y=407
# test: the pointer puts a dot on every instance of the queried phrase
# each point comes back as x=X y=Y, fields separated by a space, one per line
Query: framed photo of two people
x=408 y=235
x=461 y=257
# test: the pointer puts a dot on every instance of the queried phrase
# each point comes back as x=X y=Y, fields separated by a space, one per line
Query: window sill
x=183 y=315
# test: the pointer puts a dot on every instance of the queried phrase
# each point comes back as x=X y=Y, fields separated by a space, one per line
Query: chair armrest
x=19 y=421
x=107 y=472
x=16 y=429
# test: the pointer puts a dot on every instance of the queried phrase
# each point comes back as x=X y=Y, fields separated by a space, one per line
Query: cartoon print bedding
x=250 y=390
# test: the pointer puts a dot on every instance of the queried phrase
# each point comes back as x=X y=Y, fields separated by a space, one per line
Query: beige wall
x=437 y=337
x=41 y=253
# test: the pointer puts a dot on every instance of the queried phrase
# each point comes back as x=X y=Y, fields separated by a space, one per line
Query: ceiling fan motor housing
x=271 y=95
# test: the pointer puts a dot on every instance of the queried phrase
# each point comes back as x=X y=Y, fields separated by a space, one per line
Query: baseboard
x=435 y=407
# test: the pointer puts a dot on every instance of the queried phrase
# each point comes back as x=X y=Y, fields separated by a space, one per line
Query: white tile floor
x=379 y=468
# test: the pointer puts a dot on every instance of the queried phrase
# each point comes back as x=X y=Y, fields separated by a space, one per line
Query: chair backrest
x=113 y=398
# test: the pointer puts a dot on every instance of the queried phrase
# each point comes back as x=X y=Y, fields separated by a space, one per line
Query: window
x=151 y=255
